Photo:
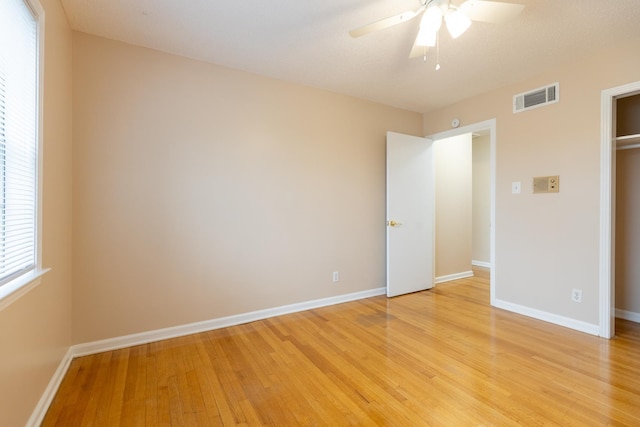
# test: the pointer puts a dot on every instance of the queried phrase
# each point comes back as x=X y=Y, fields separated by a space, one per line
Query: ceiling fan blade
x=490 y=11
x=418 y=51
x=385 y=23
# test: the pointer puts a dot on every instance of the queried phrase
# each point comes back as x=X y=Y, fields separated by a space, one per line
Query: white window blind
x=18 y=138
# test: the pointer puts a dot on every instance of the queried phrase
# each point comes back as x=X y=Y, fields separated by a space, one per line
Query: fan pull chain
x=437 y=51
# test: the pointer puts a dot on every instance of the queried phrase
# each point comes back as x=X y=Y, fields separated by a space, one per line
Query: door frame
x=489 y=125
x=607 y=282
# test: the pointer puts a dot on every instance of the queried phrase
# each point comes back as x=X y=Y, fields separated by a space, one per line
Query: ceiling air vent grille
x=536 y=98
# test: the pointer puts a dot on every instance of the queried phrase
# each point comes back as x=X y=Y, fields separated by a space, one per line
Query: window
x=20 y=22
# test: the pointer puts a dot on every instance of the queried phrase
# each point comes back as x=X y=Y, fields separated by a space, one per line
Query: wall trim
x=628 y=315
x=208 y=325
x=589 y=328
x=455 y=276
x=483 y=264
x=37 y=416
x=15 y=289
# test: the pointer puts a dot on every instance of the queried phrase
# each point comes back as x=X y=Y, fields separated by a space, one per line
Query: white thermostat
x=546 y=184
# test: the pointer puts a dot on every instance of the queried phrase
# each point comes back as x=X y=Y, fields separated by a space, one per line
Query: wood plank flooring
x=436 y=358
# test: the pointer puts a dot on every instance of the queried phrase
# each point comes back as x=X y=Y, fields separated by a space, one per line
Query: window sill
x=15 y=289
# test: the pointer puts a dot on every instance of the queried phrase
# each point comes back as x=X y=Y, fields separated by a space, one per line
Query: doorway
x=607 y=205
x=488 y=128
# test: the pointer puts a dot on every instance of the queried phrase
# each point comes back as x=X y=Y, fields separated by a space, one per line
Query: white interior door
x=410 y=214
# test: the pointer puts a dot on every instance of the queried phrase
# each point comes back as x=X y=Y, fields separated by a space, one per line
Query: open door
x=410 y=214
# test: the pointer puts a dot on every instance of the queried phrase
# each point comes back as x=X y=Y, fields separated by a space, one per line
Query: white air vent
x=536 y=98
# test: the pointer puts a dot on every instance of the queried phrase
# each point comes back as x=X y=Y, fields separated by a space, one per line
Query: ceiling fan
x=457 y=20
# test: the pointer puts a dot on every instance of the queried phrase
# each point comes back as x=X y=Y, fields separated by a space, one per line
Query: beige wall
x=202 y=192
x=35 y=331
x=628 y=230
x=481 y=199
x=547 y=244
x=453 y=205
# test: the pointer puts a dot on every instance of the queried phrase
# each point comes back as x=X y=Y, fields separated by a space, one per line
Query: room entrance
x=486 y=130
x=427 y=256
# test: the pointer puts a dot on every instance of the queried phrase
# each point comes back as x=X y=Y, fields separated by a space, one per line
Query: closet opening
x=627 y=207
x=619 y=289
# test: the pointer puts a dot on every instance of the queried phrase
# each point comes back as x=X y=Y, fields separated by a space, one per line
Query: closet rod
x=628 y=147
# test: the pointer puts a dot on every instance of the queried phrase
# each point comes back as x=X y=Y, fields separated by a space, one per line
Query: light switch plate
x=515 y=187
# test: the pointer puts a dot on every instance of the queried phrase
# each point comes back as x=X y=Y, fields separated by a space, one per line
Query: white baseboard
x=628 y=315
x=208 y=325
x=484 y=264
x=37 y=416
x=454 y=276
x=567 y=322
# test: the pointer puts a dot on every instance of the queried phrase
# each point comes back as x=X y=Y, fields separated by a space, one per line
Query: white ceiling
x=306 y=41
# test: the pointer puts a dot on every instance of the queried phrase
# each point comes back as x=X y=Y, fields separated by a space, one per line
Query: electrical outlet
x=336 y=276
x=576 y=295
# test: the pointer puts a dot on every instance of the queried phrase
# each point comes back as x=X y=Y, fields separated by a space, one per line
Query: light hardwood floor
x=436 y=358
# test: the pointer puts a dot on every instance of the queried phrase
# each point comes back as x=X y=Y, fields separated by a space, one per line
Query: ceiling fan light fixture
x=426 y=38
x=457 y=22
x=457 y=14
